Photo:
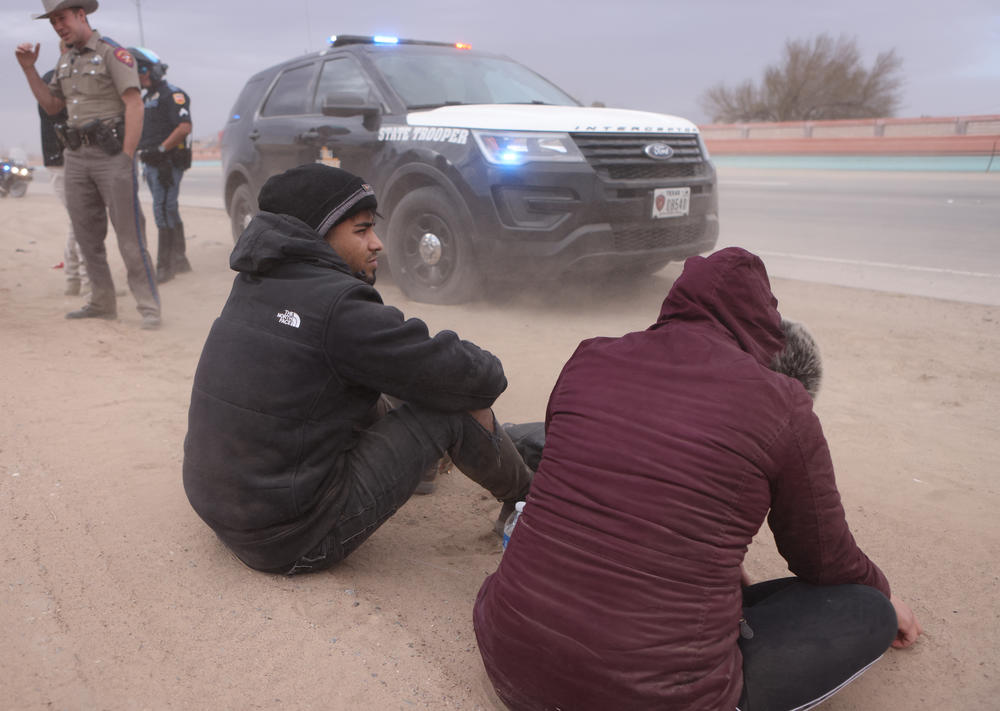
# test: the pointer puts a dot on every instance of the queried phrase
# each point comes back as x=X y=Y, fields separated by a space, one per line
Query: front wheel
x=242 y=208
x=430 y=249
x=19 y=189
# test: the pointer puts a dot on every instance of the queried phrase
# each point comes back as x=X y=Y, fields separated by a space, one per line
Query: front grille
x=658 y=169
x=617 y=156
x=659 y=235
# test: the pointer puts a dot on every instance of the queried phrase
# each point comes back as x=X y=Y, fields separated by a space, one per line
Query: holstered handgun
x=109 y=137
x=68 y=137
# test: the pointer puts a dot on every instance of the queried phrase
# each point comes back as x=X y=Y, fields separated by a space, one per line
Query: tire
x=18 y=189
x=430 y=249
x=242 y=208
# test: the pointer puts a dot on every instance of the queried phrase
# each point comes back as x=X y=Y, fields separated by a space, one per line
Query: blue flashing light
x=333 y=39
x=385 y=39
x=6 y=168
x=236 y=117
x=509 y=157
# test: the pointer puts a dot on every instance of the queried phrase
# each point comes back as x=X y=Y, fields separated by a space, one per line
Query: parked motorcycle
x=14 y=178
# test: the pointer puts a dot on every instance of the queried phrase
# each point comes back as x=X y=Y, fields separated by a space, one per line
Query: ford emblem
x=658 y=151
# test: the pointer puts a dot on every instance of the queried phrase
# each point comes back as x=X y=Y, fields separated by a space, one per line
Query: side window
x=290 y=95
x=247 y=99
x=342 y=75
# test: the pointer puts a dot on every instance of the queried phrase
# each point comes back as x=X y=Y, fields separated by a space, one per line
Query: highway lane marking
x=885 y=265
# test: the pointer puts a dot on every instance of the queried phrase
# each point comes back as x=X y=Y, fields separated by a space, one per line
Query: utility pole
x=138 y=9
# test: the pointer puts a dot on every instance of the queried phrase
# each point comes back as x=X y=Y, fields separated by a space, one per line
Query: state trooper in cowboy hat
x=88 y=6
x=96 y=81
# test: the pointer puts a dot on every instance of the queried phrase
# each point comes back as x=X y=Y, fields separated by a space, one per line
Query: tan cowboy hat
x=51 y=6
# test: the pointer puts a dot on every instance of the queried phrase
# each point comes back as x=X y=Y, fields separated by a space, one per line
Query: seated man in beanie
x=294 y=455
x=664 y=451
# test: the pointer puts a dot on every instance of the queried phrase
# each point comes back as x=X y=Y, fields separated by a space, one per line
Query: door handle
x=310 y=136
x=254 y=135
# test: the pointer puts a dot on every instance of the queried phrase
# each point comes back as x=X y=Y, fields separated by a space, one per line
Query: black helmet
x=149 y=61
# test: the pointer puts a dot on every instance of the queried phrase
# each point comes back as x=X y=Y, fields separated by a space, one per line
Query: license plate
x=671 y=202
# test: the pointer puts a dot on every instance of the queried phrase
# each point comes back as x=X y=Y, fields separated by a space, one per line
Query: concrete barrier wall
x=954 y=135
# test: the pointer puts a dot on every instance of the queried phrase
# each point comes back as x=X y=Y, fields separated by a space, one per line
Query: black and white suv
x=483 y=169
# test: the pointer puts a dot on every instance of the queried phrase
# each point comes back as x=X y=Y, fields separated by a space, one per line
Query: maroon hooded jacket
x=665 y=450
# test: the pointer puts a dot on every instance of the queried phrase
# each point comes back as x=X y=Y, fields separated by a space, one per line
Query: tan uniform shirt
x=91 y=80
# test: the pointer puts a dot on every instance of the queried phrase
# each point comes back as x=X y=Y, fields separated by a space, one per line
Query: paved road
x=932 y=234
x=927 y=233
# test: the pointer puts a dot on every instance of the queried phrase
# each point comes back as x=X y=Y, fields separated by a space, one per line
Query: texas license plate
x=671 y=202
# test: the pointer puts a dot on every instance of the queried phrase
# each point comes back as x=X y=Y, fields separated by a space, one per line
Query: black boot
x=179 y=252
x=164 y=258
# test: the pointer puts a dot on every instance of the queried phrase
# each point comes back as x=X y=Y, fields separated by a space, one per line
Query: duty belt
x=106 y=134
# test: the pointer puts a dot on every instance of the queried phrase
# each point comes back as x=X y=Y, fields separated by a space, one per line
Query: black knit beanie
x=319 y=195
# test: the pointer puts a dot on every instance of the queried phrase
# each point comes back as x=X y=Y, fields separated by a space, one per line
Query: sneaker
x=72 y=287
x=89 y=311
x=150 y=322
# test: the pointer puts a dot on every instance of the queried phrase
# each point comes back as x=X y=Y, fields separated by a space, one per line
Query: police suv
x=483 y=169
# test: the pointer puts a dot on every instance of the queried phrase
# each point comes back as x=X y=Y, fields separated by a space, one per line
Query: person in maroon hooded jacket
x=622 y=586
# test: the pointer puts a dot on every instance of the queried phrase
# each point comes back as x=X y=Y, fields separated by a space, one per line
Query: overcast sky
x=652 y=55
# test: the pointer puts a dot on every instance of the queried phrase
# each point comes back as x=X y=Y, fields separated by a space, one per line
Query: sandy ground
x=118 y=597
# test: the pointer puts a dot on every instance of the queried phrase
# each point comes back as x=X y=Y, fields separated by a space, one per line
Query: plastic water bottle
x=508 y=527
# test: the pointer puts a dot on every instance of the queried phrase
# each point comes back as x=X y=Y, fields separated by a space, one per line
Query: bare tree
x=818 y=79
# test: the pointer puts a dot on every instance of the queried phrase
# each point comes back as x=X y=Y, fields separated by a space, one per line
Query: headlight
x=24 y=171
x=514 y=148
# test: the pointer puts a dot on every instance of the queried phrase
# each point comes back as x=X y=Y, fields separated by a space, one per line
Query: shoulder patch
x=123 y=56
x=179 y=98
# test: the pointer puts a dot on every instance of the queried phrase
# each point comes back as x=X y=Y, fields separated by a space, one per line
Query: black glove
x=165 y=171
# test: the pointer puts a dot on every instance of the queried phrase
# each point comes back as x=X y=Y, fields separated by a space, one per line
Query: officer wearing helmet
x=165 y=153
x=97 y=83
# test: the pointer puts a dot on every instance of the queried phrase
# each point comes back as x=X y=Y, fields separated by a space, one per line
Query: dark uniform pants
x=99 y=186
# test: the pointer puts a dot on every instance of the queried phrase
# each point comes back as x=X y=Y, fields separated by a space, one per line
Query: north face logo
x=289 y=318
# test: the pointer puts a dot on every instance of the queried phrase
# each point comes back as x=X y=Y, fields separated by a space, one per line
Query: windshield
x=428 y=80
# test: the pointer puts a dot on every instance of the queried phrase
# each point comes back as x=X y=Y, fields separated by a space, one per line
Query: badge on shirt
x=179 y=98
x=123 y=56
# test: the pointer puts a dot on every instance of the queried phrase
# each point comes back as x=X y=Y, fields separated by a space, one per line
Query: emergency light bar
x=341 y=40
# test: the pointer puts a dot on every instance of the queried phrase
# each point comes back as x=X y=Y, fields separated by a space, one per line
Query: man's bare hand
x=27 y=54
x=909 y=628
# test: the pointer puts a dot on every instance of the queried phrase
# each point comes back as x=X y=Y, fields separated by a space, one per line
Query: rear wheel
x=430 y=249
x=242 y=208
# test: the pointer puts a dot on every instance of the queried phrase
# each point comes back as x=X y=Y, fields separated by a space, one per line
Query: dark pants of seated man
x=389 y=459
x=808 y=641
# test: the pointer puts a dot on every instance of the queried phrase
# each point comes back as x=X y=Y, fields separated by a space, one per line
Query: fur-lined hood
x=799 y=358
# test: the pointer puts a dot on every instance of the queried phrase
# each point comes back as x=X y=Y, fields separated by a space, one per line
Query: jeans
x=165 y=209
x=808 y=641
x=385 y=466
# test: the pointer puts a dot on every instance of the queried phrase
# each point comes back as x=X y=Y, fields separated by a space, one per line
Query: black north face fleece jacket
x=291 y=368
